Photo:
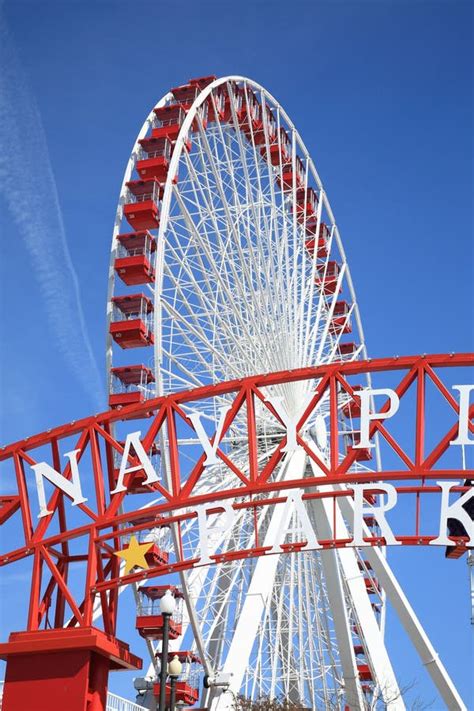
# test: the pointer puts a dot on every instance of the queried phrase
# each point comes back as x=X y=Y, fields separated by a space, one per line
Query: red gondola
x=149 y=622
x=130 y=384
x=131 y=325
x=133 y=263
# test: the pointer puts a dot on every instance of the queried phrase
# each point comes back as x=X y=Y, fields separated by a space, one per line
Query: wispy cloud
x=29 y=190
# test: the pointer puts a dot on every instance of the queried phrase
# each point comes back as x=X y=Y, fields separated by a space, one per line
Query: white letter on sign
x=145 y=464
x=454 y=510
x=366 y=417
x=71 y=488
x=209 y=448
x=294 y=503
x=463 y=431
x=221 y=526
x=378 y=512
x=289 y=422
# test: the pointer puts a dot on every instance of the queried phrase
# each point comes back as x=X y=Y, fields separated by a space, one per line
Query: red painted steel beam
x=346 y=369
x=8 y=506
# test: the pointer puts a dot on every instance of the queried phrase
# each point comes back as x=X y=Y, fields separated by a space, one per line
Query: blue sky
x=381 y=92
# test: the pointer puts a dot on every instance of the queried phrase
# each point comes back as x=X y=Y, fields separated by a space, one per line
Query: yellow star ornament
x=134 y=555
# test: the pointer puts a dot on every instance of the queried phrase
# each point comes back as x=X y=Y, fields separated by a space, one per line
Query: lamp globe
x=167 y=603
x=175 y=667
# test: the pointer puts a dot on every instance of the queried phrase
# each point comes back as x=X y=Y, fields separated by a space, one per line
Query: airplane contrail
x=29 y=190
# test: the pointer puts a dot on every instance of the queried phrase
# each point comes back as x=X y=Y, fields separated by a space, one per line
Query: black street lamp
x=167 y=606
x=174 y=670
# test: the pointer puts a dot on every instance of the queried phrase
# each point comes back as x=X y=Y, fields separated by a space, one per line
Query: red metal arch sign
x=91 y=514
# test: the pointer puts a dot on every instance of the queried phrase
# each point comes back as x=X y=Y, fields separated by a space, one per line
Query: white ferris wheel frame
x=333 y=561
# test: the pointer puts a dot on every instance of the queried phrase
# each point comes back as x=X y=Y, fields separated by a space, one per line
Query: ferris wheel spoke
x=325 y=624
x=205 y=340
x=314 y=653
x=191 y=314
x=218 y=276
x=241 y=258
x=312 y=320
x=264 y=215
x=312 y=334
x=250 y=189
x=324 y=337
x=277 y=230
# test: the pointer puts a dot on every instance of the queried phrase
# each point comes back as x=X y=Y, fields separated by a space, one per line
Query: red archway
x=89 y=534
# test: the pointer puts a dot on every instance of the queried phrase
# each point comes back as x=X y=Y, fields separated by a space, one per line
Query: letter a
x=294 y=503
x=145 y=464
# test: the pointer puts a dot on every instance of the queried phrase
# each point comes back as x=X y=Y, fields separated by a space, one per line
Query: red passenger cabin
x=202 y=82
x=371 y=522
x=186 y=93
x=265 y=121
x=372 y=586
x=171 y=119
x=131 y=325
x=251 y=121
x=311 y=229
x=133 y=263
x=347 y=349
x=233 y=103
x=216 y=105
x=141 y=209
x=271 y=124
x=340 y=322
x=130 y=384
x=215 y=101
x=149 y=622
x=285 y=180
x=361 y=455
x=364 y=672
x=185 y=96
x=352 y=408
x=306 y=204
x=280 y=151
x=327 y=277
x=156 y=163
x=187 y=684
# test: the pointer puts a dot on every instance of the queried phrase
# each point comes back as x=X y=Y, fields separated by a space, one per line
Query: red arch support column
x=53 y=670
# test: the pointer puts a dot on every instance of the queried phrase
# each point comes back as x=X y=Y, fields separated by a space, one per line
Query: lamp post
x=174 y=670
x=167 y=605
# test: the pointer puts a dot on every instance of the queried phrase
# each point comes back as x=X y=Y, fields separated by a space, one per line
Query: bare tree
x=265 y=703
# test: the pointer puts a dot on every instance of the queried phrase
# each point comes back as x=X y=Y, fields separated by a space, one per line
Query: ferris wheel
x=227 y=262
